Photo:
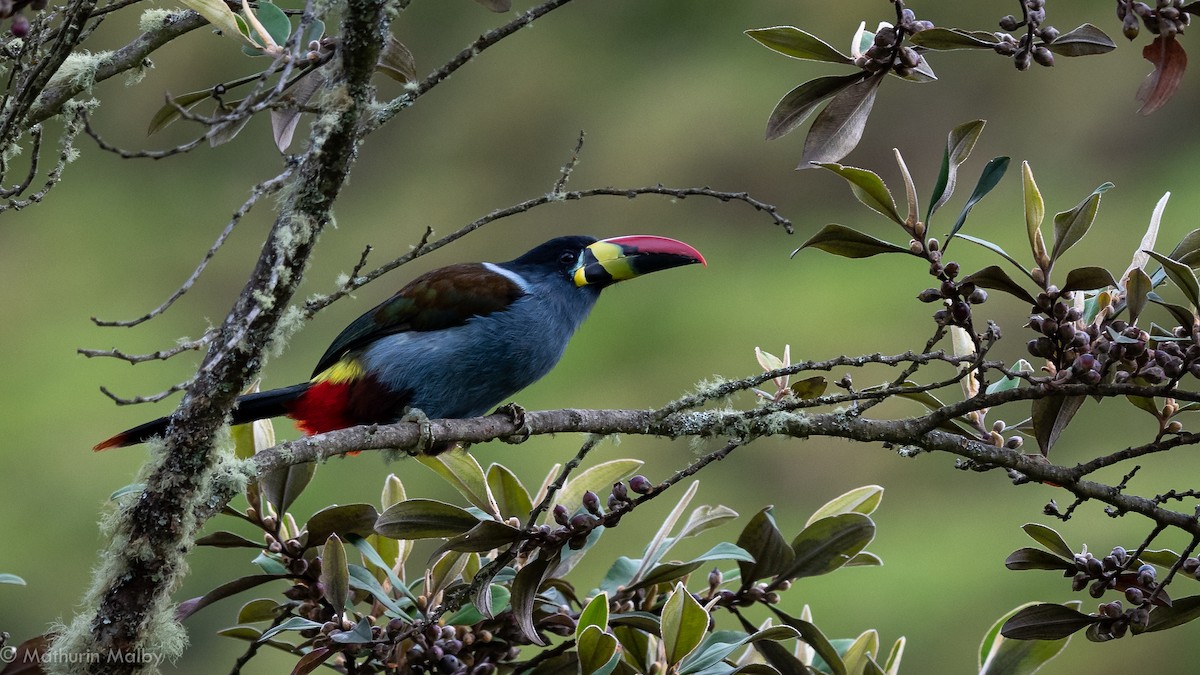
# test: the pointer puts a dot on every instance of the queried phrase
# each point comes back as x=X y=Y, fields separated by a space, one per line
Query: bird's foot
x=517 y=413
x=425 y=444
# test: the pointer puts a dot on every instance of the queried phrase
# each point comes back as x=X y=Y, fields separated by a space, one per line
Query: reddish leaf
x=310 y=661
x=1170 y=60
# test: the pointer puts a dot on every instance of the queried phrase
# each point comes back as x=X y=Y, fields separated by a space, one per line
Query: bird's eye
x=567 y=258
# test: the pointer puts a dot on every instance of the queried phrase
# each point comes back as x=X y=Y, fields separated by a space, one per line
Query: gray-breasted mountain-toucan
x=456 y=341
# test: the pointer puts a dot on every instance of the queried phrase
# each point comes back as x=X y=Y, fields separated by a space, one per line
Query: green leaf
x=762 y=540
x=717 y=645
x=524 y=595
x=1137 y=288
x=1045 y=621
x=361 y=579
x=862 y=500
x=1164 y=558
x=948 y=39
x=217 y=13
x=281 y=487
x=1088 y=279
x=857 y=655
x=278 y=26
x=1070 y=226
x=815 y=639
x=839 y=127
x=11 y=579
x=1050 y=538
x=594 y=614
x=1083 y=41
x=997 y=279
x=597 y=651
x=484 y=536
x=1035 y=212
x=1181 y=611
x=1001 y=656
x=169 y=112
x=1037 y=559
x=667 y=572
x=372 y=556
x=598 y=479
x=397 y=61
x=1183 y=315
x=1181 y=275
x=470 y=615
x=424 y=519
x=661 y=542
x=959 y=144
x=261 y=609
x=684 y=623
x=189 y=607
x=462 y=471
x=704 y=518
x=291 y=623
x=828 y=544
x=1051 y=415
x=809 y=387
x=800 y=102
x=269 y=563
x=1021 y=366
x=222 y=539
x=340 y=520
x=865 y=559
x=992 y=172
x=868 y=188
x=335 y=577
x=1187 y=251
x=798 y=44
x=510 y=494
x=848 y=243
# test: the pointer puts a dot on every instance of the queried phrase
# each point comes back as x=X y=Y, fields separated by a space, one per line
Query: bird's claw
x=424 y=431
x=517 y=413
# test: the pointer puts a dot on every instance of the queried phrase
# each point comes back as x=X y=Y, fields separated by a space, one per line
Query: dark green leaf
x=511 y=496
x=997 y=279
x=828 y=544
x=484 y=536
x=815 y=639
x=718 y=645
x=424 y=519
x=799 y=103
x=1187 y=251
x=1036 y=559
x=868 y=188
x=269 y=563
x=1145 y=403
x=360 y=634
x=839 y=127
x=291 y=623
x=809 y=388
x=335 y=576
x=671 y=571
x=947 y=39
x=1046 y=621
x=1001 y=656
x=189 y=607
x=1181 y=611
x=1137 y=288
x=780 y=657
x=762 y=540
x=470 y=615
x=340 y=520
x=992 y=172
x=169 y=112
x=798 y=44
x=1088 y=279
x=361 y=578
x=848 y=243
x=959 y=144
x=1050 y=416
x=222 y=539
x=1083 y=41
x=1181 y=275
x=281 y=487
x=1050 y=538
x=524 y=595
x=274 y=21
x=372 y=556
x=1070 y=226
x=1183 y=315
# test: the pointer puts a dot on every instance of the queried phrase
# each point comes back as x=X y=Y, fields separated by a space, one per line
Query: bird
x=456 y=341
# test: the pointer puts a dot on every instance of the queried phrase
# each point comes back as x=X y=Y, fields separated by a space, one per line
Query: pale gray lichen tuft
x=154 y=19
x=79 y=69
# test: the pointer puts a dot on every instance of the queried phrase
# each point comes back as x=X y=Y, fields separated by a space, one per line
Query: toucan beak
x=611 y=260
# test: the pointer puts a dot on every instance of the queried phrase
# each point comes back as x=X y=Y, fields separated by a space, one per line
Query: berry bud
x=560 y=514
x=591 y=502
x=640 y=484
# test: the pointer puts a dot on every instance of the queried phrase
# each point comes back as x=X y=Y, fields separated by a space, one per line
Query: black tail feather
x=257 y=406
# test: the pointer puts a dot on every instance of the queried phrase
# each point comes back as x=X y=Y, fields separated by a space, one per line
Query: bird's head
x=596 y=264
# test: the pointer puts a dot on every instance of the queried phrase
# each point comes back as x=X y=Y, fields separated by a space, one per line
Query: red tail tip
x=117 y=441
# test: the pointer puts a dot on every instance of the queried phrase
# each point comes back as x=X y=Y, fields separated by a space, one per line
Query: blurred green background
x=668 y=92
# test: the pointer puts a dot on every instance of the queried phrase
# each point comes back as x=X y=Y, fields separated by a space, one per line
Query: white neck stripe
x=508 y=274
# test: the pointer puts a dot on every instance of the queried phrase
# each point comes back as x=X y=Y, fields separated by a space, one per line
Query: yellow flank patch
x=342 y=371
